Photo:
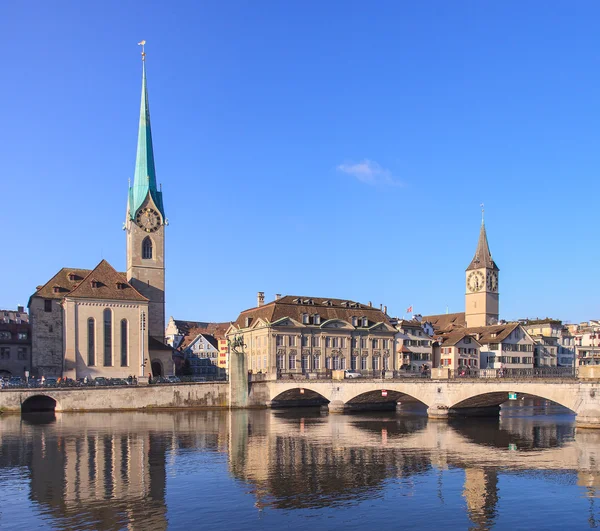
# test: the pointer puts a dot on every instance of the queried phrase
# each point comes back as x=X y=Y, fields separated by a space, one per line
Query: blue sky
x=336 y=149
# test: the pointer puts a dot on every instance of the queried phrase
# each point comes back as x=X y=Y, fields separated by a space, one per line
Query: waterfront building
x=413 y=346
x=101 y=322
x=504 y=346
x=310 y=335
x=15 y=342
x=195 y=340
x=457 y=350
x=586 y=336
x=555 y=345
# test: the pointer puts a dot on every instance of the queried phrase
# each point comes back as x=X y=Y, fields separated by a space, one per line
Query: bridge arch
x=379 y=398
x=479 y=399
x=298 y=397
x=38 y=403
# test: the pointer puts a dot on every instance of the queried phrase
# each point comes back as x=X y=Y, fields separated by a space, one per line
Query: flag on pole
x=409 y=309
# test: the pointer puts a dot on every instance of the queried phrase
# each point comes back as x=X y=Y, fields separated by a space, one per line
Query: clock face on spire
x=148 y=219
x=475 y=281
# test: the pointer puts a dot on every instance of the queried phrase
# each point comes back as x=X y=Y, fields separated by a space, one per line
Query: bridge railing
x=529 y=373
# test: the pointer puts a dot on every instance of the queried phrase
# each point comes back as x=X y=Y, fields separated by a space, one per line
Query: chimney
x=370 y=304
x=260 y=298
x=277 y=296
x=380 y=306
x=20 y=309
x=385 y=310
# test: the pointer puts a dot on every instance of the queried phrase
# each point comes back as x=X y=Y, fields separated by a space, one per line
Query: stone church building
x=102 y=322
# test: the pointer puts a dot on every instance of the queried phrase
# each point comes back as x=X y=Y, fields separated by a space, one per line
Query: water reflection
x=110 y=471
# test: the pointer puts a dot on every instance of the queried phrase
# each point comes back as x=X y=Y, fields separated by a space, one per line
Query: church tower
x=145 y=225
x=481 y=299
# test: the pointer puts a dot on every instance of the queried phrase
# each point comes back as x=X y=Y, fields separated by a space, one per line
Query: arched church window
x=147 y=248
x=107 y=337
x=91 y=342
x=124 y=341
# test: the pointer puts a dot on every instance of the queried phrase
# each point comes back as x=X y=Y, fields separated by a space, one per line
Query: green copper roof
x=144 y=181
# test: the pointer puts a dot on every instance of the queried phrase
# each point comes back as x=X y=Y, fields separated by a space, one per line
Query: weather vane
x=482 y=212
x=142 y=44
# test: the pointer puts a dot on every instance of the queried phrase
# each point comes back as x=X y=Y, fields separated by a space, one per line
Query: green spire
x=144 y=181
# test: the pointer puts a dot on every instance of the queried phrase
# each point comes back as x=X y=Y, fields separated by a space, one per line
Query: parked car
x=101 y=380
x=118 y=381
x=15 y=381
x=173 y=379
x=351 y=373
x=50 y=382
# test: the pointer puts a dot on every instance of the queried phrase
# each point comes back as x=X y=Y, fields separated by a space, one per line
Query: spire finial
x=482 y=213
x=142 y=44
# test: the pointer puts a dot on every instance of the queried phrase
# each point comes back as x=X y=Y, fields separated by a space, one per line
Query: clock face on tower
x=475 y=281
x=148 y=219
x=492 y=280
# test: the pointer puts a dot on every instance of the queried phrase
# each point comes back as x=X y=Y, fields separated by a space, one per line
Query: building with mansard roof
x=101 y=322
x=299 y=335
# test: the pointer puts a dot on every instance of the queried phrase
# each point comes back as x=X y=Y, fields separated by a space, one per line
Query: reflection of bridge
x=442 y=397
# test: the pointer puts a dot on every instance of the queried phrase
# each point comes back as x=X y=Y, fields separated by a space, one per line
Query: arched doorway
x=157 y=368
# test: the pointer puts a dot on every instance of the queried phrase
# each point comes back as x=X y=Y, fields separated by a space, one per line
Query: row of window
x=5 y=334
x=108 y=341
x=5 y=353
x=461 y=362
x=417 y=342
x=330 y=342
x=308 y=363
x=509 y=359
x=510 y=347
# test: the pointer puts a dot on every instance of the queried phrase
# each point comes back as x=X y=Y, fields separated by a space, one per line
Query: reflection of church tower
x=145 y=225
x=481 y=299
x=481 y=495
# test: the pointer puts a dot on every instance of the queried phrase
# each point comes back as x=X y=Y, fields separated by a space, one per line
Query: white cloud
x=369 y=172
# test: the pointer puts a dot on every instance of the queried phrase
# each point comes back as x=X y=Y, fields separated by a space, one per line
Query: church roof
x=102 y=282
x=294 y=307
x=144 y=181
x=483 y=256
x=446 y=321
x=62 y=283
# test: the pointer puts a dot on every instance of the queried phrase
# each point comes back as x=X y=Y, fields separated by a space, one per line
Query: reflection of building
x=96 y=472
x=103 y=322
x=481 y=494
x=312 y=335
x=15 y=342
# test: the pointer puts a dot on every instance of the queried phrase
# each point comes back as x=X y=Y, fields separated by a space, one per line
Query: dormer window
x=298 y=301
x=365 y=322
x=467 y=339
x=56 y=289
x=317 y=319
x=354 y=320
x=95 y=284
x=493 y=334
x=327 y=303
x=120 y=285
x=305 y=319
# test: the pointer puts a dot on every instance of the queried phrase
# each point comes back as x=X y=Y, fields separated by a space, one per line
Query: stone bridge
x=193 y=395
x=442 y=397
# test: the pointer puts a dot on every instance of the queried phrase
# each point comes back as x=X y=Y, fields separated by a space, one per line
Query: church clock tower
x=481 y=299
x=145 y=225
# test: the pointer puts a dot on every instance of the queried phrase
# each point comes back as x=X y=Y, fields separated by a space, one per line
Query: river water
x=299 y=469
